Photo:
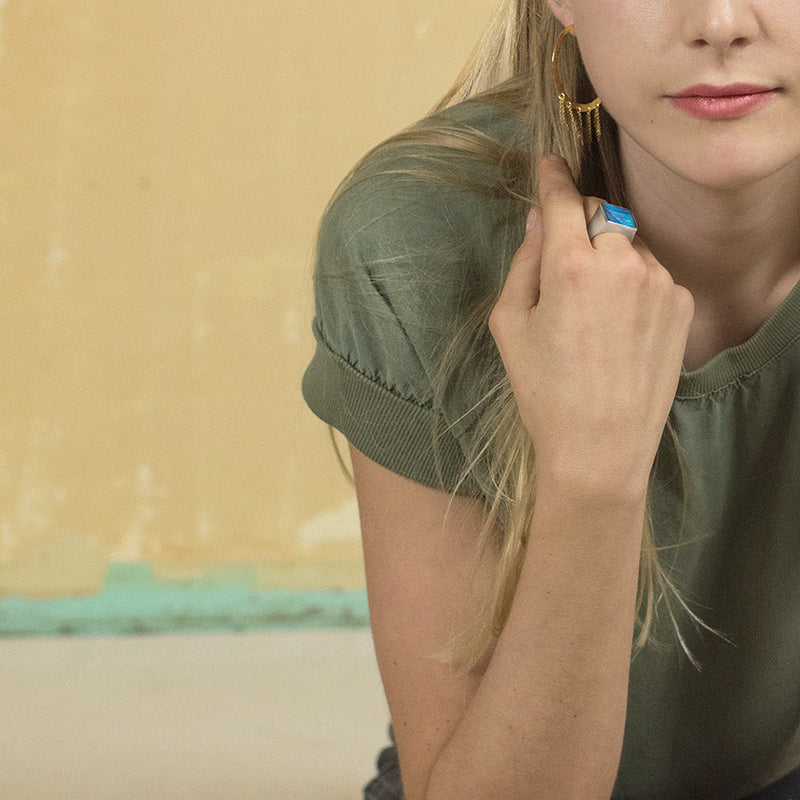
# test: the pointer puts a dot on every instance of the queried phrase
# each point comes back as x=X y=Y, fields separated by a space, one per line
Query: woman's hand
x=592 y=335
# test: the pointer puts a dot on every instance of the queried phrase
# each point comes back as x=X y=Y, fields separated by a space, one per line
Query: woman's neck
x=711 y=238
x=736 y=249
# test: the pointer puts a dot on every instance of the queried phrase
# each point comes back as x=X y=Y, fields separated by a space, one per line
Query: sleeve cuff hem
x=406 y=438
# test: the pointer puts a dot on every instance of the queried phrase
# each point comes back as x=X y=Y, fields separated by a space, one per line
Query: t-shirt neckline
x=777 y=333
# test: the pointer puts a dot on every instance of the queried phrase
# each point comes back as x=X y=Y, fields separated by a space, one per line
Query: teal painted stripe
x=134 y=602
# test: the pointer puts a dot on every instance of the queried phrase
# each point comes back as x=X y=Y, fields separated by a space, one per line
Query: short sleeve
x=401 y=253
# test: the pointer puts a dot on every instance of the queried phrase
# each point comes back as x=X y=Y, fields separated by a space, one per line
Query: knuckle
x=494 y=315
x=633 y=270
x=662 y=279
x=573 y=264
x=684 y=301
x=571 y=272
x=526 y=251
x=637 y=271
x=557 y=193
x=497 y=319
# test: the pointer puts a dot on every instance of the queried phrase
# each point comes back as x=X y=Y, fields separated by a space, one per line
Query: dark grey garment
x=387 y=784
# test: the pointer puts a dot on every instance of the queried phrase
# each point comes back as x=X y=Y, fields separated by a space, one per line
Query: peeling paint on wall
x=133 y=601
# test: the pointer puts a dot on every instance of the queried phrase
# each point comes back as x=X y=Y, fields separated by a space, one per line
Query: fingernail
x=530 y=222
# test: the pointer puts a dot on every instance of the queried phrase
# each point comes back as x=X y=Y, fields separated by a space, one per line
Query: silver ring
x=612 y=219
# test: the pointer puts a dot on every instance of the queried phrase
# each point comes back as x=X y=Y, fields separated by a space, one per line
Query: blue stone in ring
x=612 y=219
x=619 y=215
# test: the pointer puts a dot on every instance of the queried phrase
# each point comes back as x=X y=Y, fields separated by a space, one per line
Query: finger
x=590 y=206
x=563 y=215
x=640 y=246
x=521 y=289
x=643 y=250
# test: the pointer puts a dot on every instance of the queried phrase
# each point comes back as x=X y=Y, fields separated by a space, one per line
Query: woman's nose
x=722 y=24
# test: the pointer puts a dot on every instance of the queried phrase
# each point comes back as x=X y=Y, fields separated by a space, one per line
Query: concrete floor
x=271 y=715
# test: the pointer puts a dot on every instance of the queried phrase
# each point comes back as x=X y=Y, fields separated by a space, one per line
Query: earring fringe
x=582 y=119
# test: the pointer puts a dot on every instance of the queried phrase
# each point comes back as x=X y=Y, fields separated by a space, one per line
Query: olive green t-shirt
x=401 y=251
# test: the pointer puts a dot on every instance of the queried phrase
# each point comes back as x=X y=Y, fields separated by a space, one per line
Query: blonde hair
x=513 y=57
x=511 y=66
x=511 y=69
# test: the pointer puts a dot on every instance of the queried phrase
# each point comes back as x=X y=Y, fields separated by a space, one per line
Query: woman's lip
x=729 y=90
x=705 y=101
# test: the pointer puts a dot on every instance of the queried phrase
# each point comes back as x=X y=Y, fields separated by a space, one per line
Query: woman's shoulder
x=428 y=216
x=454 y=177
x=473 y=147
x=423 y=227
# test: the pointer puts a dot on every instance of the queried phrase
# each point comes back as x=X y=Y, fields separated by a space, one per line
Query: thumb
x=521 y=289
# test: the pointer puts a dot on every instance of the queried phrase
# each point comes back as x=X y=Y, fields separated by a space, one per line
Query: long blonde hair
x=511 y=69
x=511 y=66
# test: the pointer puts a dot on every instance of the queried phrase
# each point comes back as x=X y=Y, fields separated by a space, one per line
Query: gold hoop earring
x=581 y=118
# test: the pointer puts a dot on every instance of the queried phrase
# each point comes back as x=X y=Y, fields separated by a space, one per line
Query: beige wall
x=163 y=166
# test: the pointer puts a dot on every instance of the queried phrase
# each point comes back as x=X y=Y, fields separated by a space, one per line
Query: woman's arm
x=592 y=337
x=544 y=717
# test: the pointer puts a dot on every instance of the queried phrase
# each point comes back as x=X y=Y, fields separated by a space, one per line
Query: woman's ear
x=562 y=10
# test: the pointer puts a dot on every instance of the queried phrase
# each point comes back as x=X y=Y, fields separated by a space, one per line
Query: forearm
x=548 y=717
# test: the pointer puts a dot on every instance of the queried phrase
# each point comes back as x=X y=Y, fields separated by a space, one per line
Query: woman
x=566 y=441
